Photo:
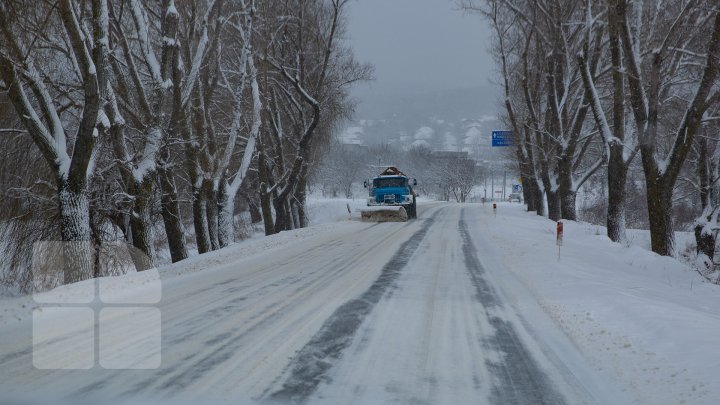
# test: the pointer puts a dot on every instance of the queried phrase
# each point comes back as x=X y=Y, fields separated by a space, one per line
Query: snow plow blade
x=384 y=214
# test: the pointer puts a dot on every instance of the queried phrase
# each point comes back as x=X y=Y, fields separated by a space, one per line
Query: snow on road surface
x=442 y=335
x=229 y=330
x=445 y=309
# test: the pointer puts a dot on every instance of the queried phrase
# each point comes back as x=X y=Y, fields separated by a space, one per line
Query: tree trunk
x=617 y=167
x=546 y=188
x=226 y=210
x=202 y=237
x=539 y=197
x=140 y=224
x=265 y=198
x=707 y=176
x=617 y=179
x=281 y=215
x=659 y=200
x=705 y=241
x=78 y=251
x=566 y=192
x=265 y=207
x=302 y=213
x=529 y=201
x=289 y=216
x=174 y=229
x=301 y=200
x=567 y=205
x=211 y=215
x=255 y=212
x=553 y=204
x=530 y=193
x=137 y=224
x=295 y=214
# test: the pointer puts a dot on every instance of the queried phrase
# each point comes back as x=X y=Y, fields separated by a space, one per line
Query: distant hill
x=379 y=101
x=404 y=115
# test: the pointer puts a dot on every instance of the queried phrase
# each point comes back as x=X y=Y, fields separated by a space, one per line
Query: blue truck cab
x=392 y=188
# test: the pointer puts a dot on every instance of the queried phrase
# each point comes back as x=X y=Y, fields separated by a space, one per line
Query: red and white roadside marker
x=559 y=237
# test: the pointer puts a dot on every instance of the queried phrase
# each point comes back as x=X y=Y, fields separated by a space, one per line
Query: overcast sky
x=420 y=42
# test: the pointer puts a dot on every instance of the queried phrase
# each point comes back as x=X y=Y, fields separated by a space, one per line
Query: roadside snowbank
x=19 y=309
x=649 y=321
x=328 y=210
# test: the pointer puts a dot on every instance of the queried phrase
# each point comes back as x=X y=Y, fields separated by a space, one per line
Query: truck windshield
x=389 y=182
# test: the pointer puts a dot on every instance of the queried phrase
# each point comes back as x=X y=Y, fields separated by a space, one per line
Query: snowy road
x=365 y=313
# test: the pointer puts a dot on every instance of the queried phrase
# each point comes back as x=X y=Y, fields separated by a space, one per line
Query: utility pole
x=485 y=190
x=492 y=181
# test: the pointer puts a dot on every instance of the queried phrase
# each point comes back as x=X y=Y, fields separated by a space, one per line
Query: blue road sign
x=502 y=138
x=517 y=188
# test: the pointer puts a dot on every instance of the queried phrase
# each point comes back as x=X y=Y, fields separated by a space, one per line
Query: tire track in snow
x=310 y=366
x=520 y=378
x=222 y=347
x=249 y=298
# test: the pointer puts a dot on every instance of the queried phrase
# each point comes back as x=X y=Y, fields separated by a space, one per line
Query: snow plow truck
x=391 y=197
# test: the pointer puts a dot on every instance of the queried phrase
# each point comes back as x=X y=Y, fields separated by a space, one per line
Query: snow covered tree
x=621 y=148
x=136 y=104
x=671 y=58
x=226 y=183
x=139 y=109
x=306 y=73
x=649 y=62
x=537 y=45
x=516 y=114
x=53 y=62
x=342 y=166
x=708 y=175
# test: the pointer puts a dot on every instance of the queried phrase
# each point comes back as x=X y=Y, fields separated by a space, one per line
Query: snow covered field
x=460 y=306
x=648 y=321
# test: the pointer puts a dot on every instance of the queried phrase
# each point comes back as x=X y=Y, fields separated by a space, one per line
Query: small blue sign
x=517 y=188
x=502 y=138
